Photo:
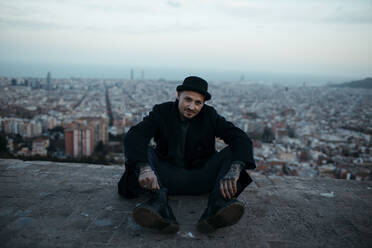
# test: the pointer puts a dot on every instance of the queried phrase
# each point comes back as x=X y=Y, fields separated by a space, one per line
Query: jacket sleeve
x=240 y=144
x=137 y=139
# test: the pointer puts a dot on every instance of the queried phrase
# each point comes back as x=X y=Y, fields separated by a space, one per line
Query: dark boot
x=156 y=213
x=220 y=213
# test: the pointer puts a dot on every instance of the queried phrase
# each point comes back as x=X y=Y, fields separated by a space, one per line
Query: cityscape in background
x=297 y=130
x=150 y=72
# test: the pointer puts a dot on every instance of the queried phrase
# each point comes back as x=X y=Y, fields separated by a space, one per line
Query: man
x=185 y=161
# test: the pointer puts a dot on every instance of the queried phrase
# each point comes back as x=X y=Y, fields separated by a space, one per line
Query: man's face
x=190 y=103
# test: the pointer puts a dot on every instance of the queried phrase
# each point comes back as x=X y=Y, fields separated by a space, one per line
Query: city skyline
x=328 y=40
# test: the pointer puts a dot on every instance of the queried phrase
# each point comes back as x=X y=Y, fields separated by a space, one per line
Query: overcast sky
x=330 y=37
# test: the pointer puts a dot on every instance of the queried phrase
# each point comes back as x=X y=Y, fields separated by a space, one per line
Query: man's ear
x=178 y=95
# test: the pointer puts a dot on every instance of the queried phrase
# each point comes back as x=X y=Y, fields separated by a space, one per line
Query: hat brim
x=206 y=95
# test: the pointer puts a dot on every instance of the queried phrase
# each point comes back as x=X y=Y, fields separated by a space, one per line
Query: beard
x=188 y=113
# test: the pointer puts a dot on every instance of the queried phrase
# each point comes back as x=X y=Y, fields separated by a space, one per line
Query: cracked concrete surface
x=46 y=204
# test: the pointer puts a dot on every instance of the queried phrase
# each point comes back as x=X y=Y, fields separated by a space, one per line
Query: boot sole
x=147 y=218
x=226 y=216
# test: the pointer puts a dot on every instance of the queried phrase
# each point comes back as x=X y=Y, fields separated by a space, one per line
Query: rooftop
x=46 y=204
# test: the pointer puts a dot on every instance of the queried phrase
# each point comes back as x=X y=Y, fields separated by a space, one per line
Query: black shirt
x=179 y=160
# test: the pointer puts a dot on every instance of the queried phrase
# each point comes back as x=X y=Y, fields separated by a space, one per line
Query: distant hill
x=363 y=84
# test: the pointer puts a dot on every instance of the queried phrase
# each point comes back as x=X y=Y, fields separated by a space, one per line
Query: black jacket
x=162 y=124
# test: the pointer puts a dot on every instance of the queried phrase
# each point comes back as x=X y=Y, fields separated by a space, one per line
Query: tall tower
x=131 y=74
x=48 y=81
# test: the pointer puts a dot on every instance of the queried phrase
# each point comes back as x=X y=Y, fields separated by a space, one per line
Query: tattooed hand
x=147 y=178
x=228 y=183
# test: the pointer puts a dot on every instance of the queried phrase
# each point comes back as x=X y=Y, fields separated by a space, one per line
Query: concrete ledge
x=45 y=204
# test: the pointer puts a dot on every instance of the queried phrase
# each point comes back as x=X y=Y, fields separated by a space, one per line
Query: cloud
x=290 y=11
x=145 y=28
x=33 y=24
x=350 y=15
x=138 y=16
x=174 y=4
x=131 y=17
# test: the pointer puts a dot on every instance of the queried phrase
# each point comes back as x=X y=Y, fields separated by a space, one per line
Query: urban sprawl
x=297 y=130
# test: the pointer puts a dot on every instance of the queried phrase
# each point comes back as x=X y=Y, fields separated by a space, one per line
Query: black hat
x=196 y=84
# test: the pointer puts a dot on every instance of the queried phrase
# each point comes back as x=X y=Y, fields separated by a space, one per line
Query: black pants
x=180 y=181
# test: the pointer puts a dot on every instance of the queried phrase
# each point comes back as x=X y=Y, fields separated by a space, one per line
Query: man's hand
x=147 y=178
x=228 y=183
